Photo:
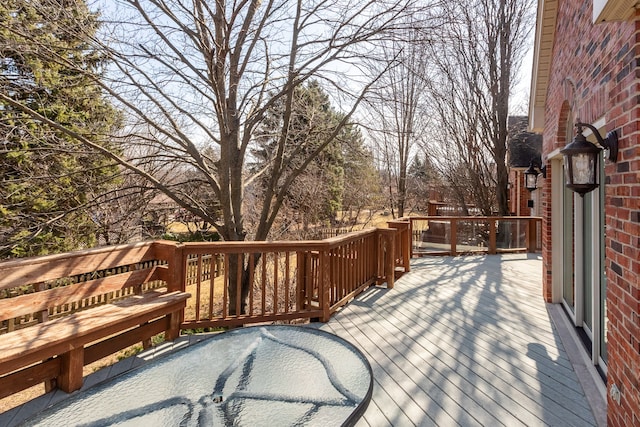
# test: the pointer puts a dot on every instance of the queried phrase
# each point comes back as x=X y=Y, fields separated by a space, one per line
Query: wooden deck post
x=173 y=331
x=390 y=264
x=403 y=241
x=301 y=261
x=406 y=253
x=388 y=258
x=324 y=283
x=70 y=378
x=175 y=277
x=492 y=237
x=454 y=236
x=532 y=235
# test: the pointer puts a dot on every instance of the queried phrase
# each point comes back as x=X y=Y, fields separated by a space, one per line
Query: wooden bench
x=54 y=351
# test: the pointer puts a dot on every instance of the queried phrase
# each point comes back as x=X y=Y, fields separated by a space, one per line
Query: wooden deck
x=466 y=341
x=458 y=342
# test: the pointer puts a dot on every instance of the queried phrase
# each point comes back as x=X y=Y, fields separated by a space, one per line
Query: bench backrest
x=33 y=289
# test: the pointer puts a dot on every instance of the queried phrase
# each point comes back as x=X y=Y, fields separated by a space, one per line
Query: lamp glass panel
x=530 y=182
x=583 y=168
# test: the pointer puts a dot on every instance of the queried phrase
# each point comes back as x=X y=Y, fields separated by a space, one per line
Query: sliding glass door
x=584 y=283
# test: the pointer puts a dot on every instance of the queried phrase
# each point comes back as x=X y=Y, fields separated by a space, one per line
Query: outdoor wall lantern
x=531 y=175
x=581 y=159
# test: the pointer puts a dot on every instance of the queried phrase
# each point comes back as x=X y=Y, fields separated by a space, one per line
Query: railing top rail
x=17 y=272
x=354 y=235
x=475 y=218
x=277 y=245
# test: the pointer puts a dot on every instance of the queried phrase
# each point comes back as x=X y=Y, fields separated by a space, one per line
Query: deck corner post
x=388 y=255
x=177 y=265
x=173 y=254
x=493 y=237
x=454 y=237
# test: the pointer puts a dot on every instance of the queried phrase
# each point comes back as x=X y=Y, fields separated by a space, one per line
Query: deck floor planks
x=467 y=367
x=465 y=376
x=449 y=396
x=469 y=341
x=385 y=371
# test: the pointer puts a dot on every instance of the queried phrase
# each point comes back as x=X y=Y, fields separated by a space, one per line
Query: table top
x=255 y=376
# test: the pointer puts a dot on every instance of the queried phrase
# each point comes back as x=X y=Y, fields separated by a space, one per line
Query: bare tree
x=397 y=123
x=130 y=210
x=459 y=153
x=362 y=191
x=423 y=183
x=481 y=46
x=195 y=79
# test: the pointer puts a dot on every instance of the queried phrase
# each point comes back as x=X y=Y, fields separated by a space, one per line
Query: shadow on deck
x=469 y=341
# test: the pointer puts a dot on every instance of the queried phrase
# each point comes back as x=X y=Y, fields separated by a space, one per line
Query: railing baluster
x=198 y=285
x=301 y=289
x=287 y=276
x=239 y=267
x=275 y=282
x=225 y=290
x=252 y=258
x=212 y=290
x=263 y=284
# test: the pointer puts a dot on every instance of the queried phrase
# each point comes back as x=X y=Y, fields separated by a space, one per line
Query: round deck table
x=256 y=376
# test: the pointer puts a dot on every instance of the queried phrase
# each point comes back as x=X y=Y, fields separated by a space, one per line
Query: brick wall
x=595 y=73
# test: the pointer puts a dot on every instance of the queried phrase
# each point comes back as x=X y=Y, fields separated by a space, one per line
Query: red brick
x=618 y=101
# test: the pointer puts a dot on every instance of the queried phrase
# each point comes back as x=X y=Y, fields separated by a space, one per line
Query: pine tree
x=317 y=194
x=47 y=178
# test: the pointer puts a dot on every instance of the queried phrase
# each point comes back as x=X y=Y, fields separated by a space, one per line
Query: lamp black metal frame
x=581 y=158
x=531 y=174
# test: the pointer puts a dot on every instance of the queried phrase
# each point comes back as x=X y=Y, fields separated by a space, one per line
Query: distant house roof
x=523 y=146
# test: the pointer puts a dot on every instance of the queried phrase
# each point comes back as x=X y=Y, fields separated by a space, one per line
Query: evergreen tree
x=422 y=182
x=362 y=186
x=317 y=195
x=48 y=179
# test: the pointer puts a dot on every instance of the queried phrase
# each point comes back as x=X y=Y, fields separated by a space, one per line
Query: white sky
x=519 y=104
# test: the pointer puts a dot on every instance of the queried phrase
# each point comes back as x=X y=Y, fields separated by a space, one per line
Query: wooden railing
x=283 y=280
x=457 y=235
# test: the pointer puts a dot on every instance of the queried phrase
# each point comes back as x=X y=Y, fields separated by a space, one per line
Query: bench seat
x=60 y=346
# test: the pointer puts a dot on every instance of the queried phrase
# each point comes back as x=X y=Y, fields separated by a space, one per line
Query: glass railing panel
x=472 y=236
x=511 y=234
x=432 y=236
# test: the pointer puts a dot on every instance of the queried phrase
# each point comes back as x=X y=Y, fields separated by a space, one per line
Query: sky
x=520 y=102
